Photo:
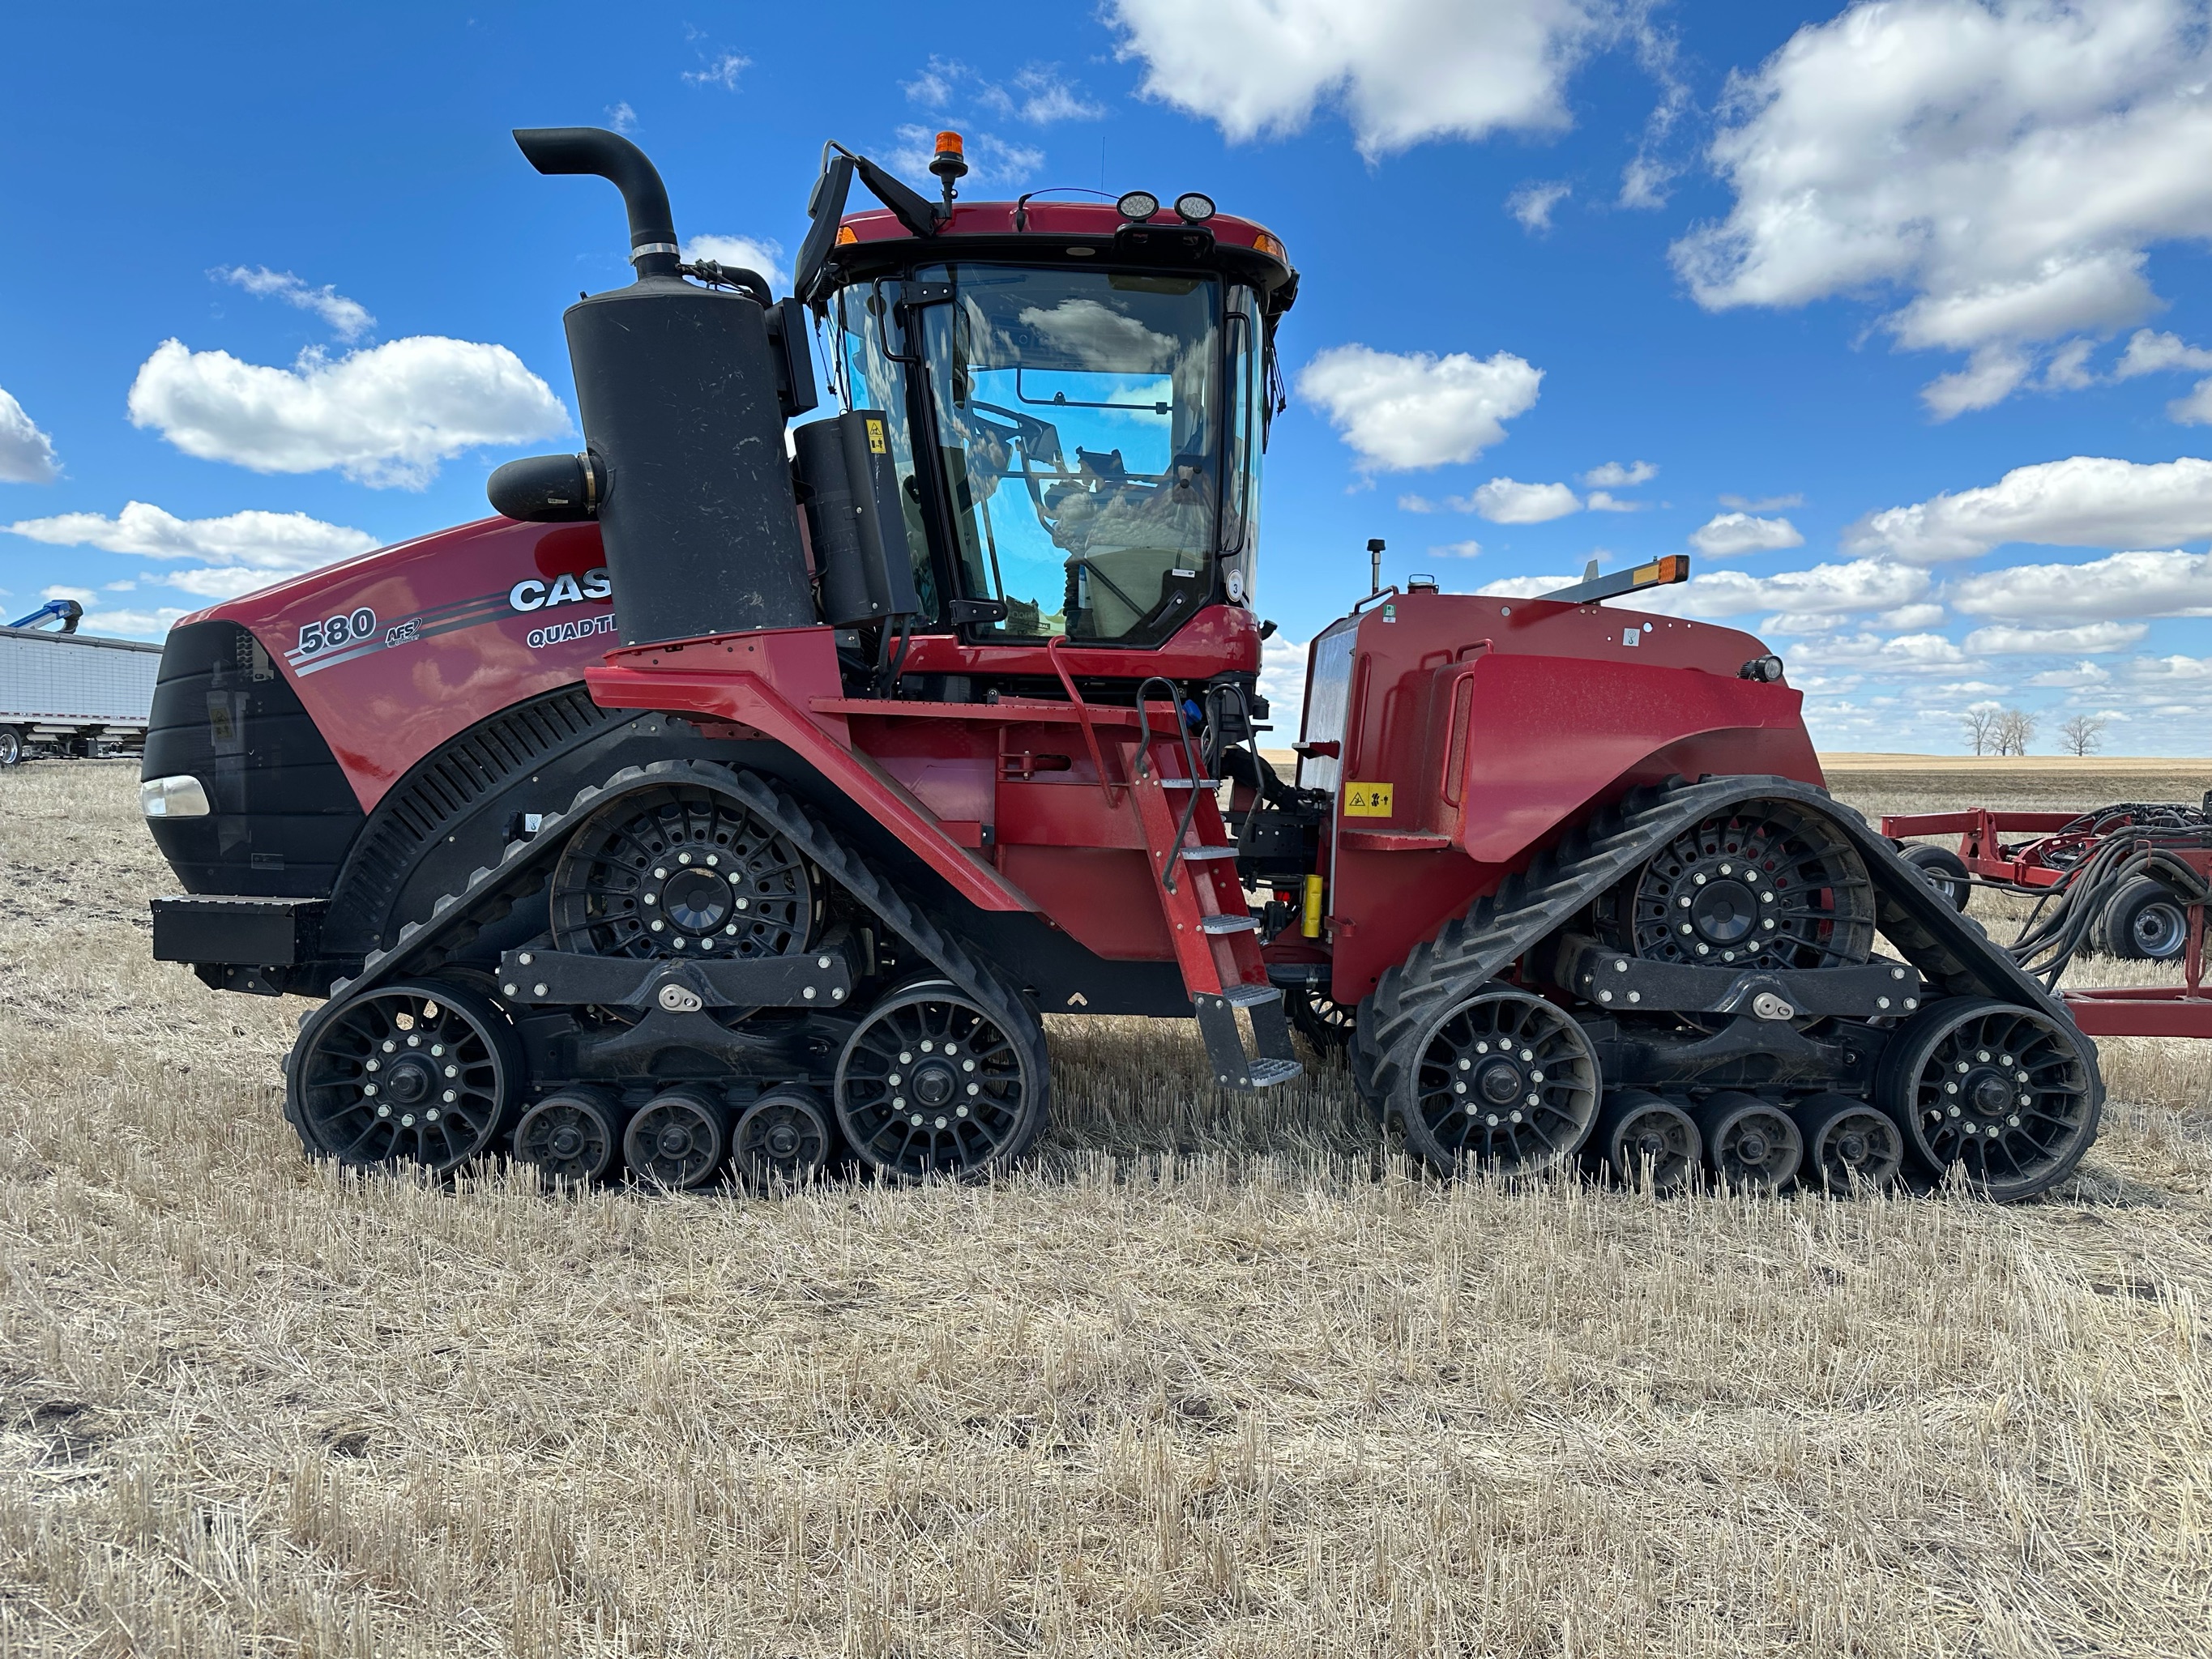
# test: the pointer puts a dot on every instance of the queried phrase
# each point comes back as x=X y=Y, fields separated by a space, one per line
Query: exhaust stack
x=677 y=385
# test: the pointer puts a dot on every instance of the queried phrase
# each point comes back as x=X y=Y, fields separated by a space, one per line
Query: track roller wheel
x=419 y=1074
x=1849 y=1146
x=1327 y=1025
x=677 y=1139
x=1503 y=1078
x=574 y=1135
x=1640 y=1133
x=930 y=1085
x=1750 y=1143
x=2009 y=1094
x=783 y=1140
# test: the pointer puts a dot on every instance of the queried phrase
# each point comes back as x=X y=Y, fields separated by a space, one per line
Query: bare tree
x=1982 y=727
x=2015 y=729
x=2084 y=734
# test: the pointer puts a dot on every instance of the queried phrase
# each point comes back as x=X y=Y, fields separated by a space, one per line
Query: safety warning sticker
x=1367 y=801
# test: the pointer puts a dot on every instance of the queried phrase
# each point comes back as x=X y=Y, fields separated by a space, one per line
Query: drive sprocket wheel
x=1763 y=884
x=2008 y=1094
x=1503 y=1079
x=419 y=1074
x=678 y=871
x=931 y=1085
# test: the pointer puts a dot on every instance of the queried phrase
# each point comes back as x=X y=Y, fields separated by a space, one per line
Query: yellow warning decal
x=1367 y=801
x=875 y=437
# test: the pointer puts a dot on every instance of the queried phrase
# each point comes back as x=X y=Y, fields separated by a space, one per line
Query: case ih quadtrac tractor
x=750 y=786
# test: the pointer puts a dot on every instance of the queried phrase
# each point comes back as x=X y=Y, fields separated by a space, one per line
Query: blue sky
x=1896 y=318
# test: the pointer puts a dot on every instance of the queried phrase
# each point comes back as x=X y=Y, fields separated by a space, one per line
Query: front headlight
x=173 y=797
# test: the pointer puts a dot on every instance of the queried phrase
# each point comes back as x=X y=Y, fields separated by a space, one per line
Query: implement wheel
x=1944 y=869
x=931 y=1085
x=1503 y=1079
x=422 y=1073
x=2009 y=1095
x=2144 y=922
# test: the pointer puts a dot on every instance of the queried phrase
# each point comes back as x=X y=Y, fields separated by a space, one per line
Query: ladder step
x=1186 y=783
x=1266 y=1073
x=1192 y=855
x=1229 y=924
x=1251 y=996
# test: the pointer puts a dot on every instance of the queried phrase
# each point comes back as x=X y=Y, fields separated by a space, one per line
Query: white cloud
x=1602 y=502
x=621 y=117
x=721 y=70
x=144 y=623
x=1761 y=503
x=1459 y=551
x=2195 y=410
x=1992 y=374
x=2087 y=636
x=81 y=595
x=2119 y=586
x=1504 y=500
x=2087 y=501
x=1725 y=535
x=26 y=454
x=2004 y=166
x=2068 y=367
x=1532 y=204
x=1909 y=617
x=347 y=319
x=1613 y=476
x=1526 y=587
x=2154 y=354
x=1283 y=683
x=762 y=254
x=387 y=415
x=991 y=159
x=1038 y=94
x=2082 y=676
x=1401 y=411
x=1826 y=590
x=236 y=554
x=1401 y=70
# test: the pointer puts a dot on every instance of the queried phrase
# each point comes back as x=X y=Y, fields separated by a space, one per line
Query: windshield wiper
x=1061 y=400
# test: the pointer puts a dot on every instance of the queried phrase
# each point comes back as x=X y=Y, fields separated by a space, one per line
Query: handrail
x=1082 y=713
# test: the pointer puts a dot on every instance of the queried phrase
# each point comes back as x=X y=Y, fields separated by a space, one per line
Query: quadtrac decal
x=345 y=635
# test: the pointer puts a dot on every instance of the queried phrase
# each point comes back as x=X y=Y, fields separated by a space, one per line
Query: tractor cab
x=1077 y=395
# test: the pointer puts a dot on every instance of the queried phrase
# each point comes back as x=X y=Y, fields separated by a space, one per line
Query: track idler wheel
x=419 y=1074
x=677 y=1140
x=930 y=1085
x=574 y=1135
x=1764 y=884
x=2008 y=1094
x=1647 y=1139
x=1750 y=1143
x=1849 y=1146
x=1503 y=1079
x=783 y=1140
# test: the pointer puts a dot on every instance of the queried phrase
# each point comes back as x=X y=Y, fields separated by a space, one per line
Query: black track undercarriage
x=688 y=971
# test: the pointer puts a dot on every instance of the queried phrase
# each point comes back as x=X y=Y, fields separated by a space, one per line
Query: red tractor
x=750 y=788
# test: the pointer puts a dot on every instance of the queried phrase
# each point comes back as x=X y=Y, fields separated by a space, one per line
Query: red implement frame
x=2162 y=1011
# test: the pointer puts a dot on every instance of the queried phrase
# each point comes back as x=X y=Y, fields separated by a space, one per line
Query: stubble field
x=1210 y=1375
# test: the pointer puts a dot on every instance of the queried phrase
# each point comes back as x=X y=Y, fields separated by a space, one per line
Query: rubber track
x=456 y=919
x=1950 y=950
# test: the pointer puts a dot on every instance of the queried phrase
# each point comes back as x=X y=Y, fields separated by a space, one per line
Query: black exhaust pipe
x=652 y=246
x=682 y=394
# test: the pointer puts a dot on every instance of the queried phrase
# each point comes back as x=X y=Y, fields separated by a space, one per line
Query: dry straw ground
x=1208 y=1376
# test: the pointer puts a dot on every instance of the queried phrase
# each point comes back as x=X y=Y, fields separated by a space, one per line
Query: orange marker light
x=948 y=144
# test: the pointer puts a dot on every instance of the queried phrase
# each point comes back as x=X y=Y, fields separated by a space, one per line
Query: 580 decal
x=332 y=632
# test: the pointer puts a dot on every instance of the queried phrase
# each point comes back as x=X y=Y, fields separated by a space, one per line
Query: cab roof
x=1066 y=232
